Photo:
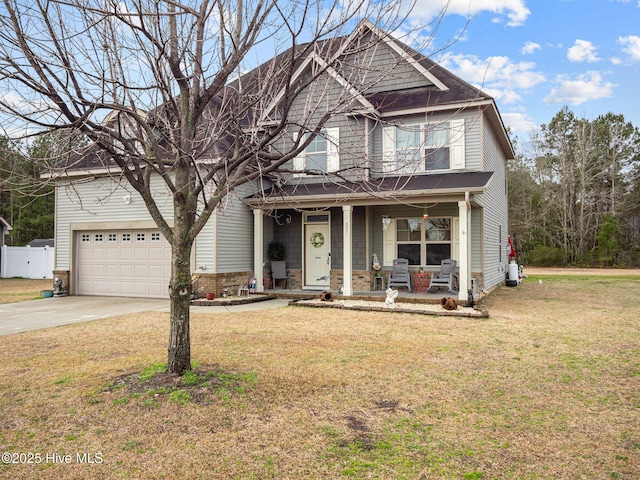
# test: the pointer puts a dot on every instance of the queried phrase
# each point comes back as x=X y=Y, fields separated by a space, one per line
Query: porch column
x=463 y=234
x=258 y=248
x=347 y=242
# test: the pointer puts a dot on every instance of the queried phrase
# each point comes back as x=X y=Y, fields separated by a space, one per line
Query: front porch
x=337 y=234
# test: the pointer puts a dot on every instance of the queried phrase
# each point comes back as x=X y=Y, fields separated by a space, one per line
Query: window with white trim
x=321 y=155
x=424 y=242
x=424 y=147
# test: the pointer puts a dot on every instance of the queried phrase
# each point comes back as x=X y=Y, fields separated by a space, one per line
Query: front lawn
x=21 y=289
x=548 y=387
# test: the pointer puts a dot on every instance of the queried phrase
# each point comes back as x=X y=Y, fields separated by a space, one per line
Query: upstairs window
x=321 y=155
x=420 y=148
x=436 y=147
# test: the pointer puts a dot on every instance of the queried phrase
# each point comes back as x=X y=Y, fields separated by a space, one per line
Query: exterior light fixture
x=385 y=222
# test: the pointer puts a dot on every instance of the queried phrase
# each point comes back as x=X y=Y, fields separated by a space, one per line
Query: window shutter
x=298 y=160
x=333 y=149
x=389 y=244
x=457 y=148
x=388 y=149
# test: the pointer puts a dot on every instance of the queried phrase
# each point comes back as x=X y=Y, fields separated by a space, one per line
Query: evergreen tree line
x=27 y=201
x=574 y=196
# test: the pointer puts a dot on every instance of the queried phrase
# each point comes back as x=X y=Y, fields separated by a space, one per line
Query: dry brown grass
x=21 y=289
x=548 y=387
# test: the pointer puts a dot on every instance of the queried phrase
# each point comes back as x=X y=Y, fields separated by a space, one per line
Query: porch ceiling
x=388 y=190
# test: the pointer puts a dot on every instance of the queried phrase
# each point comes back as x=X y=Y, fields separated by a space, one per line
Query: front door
x=317 y=251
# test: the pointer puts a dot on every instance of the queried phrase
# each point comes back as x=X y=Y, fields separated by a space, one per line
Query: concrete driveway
x=56 y=311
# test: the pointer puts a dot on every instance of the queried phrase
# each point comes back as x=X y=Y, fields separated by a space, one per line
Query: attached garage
x=125 y=263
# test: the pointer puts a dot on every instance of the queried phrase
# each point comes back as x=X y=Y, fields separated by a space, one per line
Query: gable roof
x=442 y=91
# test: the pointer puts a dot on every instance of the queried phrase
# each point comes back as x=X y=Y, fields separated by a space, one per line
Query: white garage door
x=127 y=263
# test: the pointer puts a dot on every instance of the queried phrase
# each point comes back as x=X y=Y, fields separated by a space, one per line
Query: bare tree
x=158 y=89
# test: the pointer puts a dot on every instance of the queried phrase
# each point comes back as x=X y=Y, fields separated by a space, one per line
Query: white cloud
x=498 y=76
x=586 y=87
x=518 y=122
x=515 y=11
x=530 y=47
x=631 y=45
x=582 y=51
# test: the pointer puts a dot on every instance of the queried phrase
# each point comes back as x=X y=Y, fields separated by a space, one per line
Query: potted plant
x=276 y=251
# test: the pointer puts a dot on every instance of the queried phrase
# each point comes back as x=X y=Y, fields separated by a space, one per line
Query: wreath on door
x=317 y=239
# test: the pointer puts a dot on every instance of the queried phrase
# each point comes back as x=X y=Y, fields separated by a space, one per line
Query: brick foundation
x=216 y=282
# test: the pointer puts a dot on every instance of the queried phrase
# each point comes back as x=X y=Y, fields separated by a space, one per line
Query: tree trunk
x=179 y=359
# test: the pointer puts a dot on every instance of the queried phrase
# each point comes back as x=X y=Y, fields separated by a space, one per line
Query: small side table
x=377 y=280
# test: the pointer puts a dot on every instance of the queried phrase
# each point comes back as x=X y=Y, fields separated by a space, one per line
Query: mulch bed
x=224 y=302
x=416 y=309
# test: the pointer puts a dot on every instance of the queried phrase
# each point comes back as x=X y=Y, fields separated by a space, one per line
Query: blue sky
x=535 y=56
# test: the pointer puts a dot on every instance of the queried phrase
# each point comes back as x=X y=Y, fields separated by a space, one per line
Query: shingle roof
x=458 y=93
x=443 y=183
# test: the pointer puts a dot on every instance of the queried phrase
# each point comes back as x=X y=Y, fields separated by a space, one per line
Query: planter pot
x=46 y=293
x=326 y=297
x=211 y=296
x=448 y=303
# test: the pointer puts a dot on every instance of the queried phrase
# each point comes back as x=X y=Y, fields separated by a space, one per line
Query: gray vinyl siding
x=289 y=234
x=476 y=240
x=234 y=233
x=203 y=249
x=94 y=202
x=385 y=70
x=495 y=212
x=359 y=243
x=472 y=125
x=358 y=240
x=100 y=201
x=351 y=145
x=473 y=139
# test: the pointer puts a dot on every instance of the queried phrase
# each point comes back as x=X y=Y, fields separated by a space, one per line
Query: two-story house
x=423 y=177
x=414 y=168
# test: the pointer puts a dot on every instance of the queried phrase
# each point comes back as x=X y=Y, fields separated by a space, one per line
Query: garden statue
x=392 y=294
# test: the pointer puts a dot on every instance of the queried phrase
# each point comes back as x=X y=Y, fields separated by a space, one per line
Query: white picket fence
x=27 y=262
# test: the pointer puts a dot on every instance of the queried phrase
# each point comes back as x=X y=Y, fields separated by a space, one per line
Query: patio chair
x=279 y=272
x=399 y=276
x=445 y=278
